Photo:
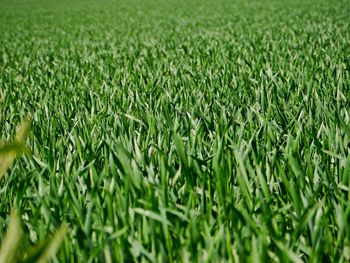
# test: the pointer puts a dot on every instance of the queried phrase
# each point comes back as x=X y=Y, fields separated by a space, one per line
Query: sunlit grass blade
x=9 y=249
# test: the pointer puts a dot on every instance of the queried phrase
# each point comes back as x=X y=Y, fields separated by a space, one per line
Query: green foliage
x=179 y=130
x=10 y=249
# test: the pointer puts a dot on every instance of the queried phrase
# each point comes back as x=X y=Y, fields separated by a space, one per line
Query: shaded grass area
x=168 y=131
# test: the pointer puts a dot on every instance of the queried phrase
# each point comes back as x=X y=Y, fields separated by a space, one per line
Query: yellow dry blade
x=7 y=158
x=9 y=247
x=23 y=130
x=54 y=244
x=6 y=161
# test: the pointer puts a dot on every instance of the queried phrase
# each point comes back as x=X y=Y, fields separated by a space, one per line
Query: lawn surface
x=179 y=130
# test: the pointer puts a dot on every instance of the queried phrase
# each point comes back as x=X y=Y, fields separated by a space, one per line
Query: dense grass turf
x=168 y=131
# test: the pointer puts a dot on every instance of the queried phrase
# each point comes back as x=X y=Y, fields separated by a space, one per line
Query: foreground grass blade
x=9 y=251
x=53 y=244
x=9 y=151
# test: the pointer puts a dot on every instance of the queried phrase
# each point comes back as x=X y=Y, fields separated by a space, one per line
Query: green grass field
x=167 y=131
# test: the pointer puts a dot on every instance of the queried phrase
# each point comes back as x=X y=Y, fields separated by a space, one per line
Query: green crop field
x=167 y=131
